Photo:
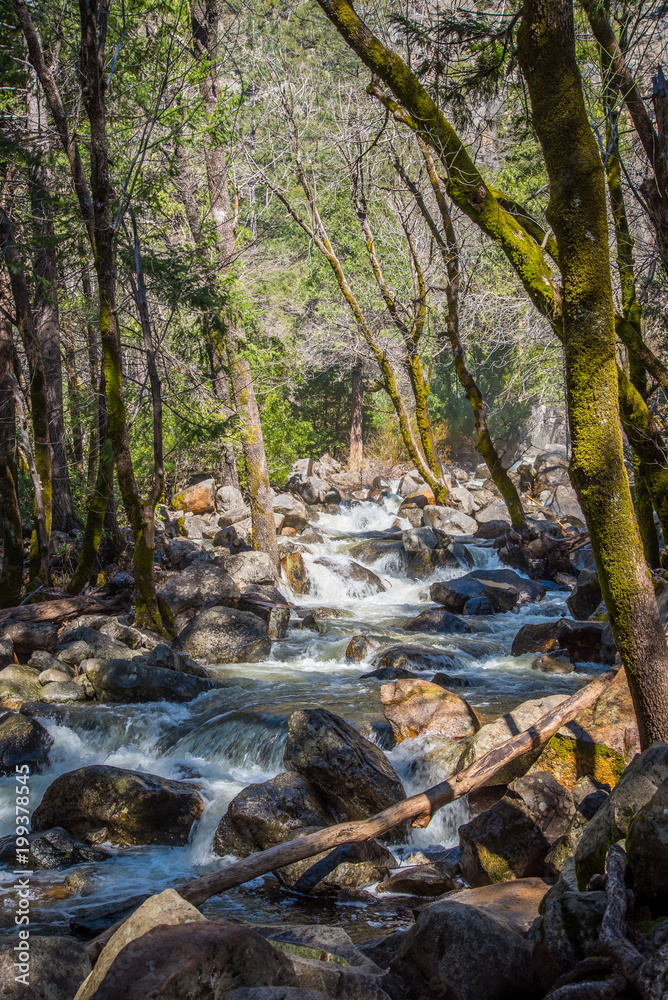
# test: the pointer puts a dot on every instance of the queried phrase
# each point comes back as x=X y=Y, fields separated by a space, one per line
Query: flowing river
x=233 y=736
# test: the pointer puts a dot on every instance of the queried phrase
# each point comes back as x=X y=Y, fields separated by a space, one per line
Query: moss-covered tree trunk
x=11 y=575
x=578 y=215
x=39 y=546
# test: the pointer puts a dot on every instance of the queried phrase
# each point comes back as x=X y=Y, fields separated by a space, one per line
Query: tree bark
x=356 y=455
x=11 y=576
x=578 y=215
x=38 y=565
x=74 y=401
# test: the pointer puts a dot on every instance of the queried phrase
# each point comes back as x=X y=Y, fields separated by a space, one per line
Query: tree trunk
x=74 y=400
x=39 y=547
x=356 y=419
x=47 y=328
x=578 y=215
x=11 y=576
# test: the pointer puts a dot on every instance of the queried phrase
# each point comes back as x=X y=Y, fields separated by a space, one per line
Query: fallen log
x=65 y=607
x=418 y=809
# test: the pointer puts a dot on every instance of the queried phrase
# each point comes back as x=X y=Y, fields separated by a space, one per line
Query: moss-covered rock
x=22 y=741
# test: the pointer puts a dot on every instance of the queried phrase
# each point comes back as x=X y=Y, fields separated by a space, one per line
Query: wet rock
x=586 y=597
x=588 y=796
x=348 y=771
x=167 y=658
x=568 y=933
x=516 y=902
x=464 y=953
x=133 y=681
x=199 y=498
x=263 y=815
x=99 y=802
x=437 y=620
x=639 y=783
x=346 y=867
x=589 y=642
x=419 y=540
x=552 y=664
x=65 y=691
x=52 y=849
x=422 y=565
x=22 y=741
x=358 y=648
x=423 y=880
x=56 y=967
x=415 y=658
x=416 y=706
x=85 y=643
x=274 y=611
x=200 y=585
x=492 y=529
x=647 y=852
x=478 y=606
x=225 y=635
x=293 y=511
x=19 y=684
x=374 y=549
x=294 y=569
x=351 y=570
x=386 y=674
x=511 y=839
x=449 y=521
x=502 y=587
x=6 y=652
x=26 y=637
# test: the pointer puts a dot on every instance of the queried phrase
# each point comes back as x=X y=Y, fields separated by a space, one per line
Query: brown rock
x=294 y=570
x=413 y=707
x=610 y=721
x=423 y=880
x=420 y=497
x=357 y=648
x=197 y=499
x=517 y=902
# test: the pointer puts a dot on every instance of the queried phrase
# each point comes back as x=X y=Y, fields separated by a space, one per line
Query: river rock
x=588 y=796
x=63 y=691
x=310 y=488
x=423 y=564
x=133 y=681
x=647 y=852
x=263 y=815
x=19 y=684
x=415 y=658
x=589 y=642
x=6 y=652
x=586 y=597
x=349 y=866
x=26 y=637
x=56 y=967
x=511 y=839
x=609 y=722
x=568 y=932
x=52 y=676
x=45 y=661
x=99 y=802
x=422 y=880
x=449 y=521
x=200 y=585
x=253 y=567
x=502 y=587
x=179 y=549
x=351 y=570
x=22 y=741
x=461 y=952
x=516 y=902
x=293 y=511
x=227 y=498
x=52 y=849
x=164 y=656
x=639 y=783
x=465 y=500
x=358 y=648
x=225 y=635
x=348 y=771
x=422 y=496
x=200 y=498
x=111 y=626
x=494 y=512
x=416 y=706
x=84 y=643
x=436 y=619
x=552 y=664
x=197 y=960
x=294 y=570
x=374 y=549
x=419 y=540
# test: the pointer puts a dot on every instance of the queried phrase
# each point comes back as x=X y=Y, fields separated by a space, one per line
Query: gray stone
x=568 y=933
x=585 y=599
x=436 y=619
x=228 y=497
x=79 y=644
x=19 y=684
x=225 y=635
x=449 y=521
x=200 y=585
x=22 y=741
x=52 y=674
x=647 y=851
x=52 y=849
x=419 y=540
x=251 y=568
x=495 y=511
x=6 y=652
x=63 y=691
x=346 y=867
x=56 y=968
x=29 y=636
x=134 y=681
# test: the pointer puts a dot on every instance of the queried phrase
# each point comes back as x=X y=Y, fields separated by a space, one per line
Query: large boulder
x=609 y=722
x=294 y=570
x=517 y=902
x=99 y=802
x=134 y=681
x=52 y=849
x=293 y=511
x=23 y=741
x=419 y=540
x=197 y=960
x=49 y=968
x=228 y=497
x=568 y=933
x=647 y=851
x=510 y=840
x=639 y=783
x=502 y=587
x=585 y=598
x=437 y=619
x=311 y=489
x=6 y=652
x=19 y=684
x=270 y=813
x=349 y=772
x=415 y=706
x=225 y=635
x=413 y=657
x=449 y=521
x=83 y=643
x=461 y=952
x=167 y=909
x=588 y=796
x=200 y=585
x=248 y=568
x=200 y=498
x=494 y=512
x=353 y=571
x=29 y=636
x=588 y=642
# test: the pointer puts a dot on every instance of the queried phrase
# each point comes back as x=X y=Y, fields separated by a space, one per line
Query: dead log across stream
x=418 y=808
x=65 y=607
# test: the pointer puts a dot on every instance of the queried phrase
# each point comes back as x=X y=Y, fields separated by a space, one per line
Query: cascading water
x=234 y=735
